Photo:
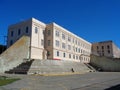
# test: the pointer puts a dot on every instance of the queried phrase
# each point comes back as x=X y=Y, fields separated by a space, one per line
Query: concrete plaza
x=87 y=81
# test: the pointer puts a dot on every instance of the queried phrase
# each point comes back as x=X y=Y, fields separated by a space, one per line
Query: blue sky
x=93 y=20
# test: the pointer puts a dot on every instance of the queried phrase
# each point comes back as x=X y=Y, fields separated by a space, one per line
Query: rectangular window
x=42 y=42
x=19 y=31
x=69 y=39
x=63 y=45
x=76 y=57
x=102 y=47
x=48 y=53
x=26 y=30
x=57 y=43
x=57 y=53
x=79 y=50
x=49 y=33
x=36 y=30
x=69 y=55
x=57 y=33
x=12 y=33
x=76 y=42
x=63 y=36
x=69 y=47
x=73 y=40
x=48 y=42
x=76 y=49
x=63 y=54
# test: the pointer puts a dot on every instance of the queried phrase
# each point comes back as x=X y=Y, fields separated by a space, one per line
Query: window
x=11 y=42
x=57 y=33
x=79 y=50
x=108 y=47
x=108 y=51
x=48 y=53
x=79 y=43
x=73 y=40
x=26 y=30
x=69 y=47
x=19 y=31
x=76 y=42
x=97 y=47
x=76 y=57
x=102 y=47
x=57 y=43
x=12 y=33
x=57 y=53
x=49 y=33
x=63 y=54
x=48 y=42
x=63 y=36
x=43 y=31
x=42 y=42
x=69 y=55
x=63 y=45
x=76 y=49
x=36 y=30
x=69 y=39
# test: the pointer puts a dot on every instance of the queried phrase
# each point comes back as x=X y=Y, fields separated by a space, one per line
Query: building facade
x=106 y=48
x=50 y=41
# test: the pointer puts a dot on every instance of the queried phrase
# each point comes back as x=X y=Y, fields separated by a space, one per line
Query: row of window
x=102 y=47
x=70 y=39
x=75 y=49
x=19 y=32
x=72 y=56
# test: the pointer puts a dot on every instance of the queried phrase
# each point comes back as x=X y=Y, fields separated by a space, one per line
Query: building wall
x=37 y=39
x=106 y=48
x=51 y=41
x=18 y=30
x=64 y=47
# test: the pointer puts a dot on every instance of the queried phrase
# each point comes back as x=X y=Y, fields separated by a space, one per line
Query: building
x=106 y=48
x=50 y=41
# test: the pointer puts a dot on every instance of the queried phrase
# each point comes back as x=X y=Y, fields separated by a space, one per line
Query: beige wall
x=68 y=50
x=37 y=47
x=79 y=51
x=15 y=29
x=112 y=51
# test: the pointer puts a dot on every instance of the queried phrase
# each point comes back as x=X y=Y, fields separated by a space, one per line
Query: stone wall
x=106 y=64
x=15 y=54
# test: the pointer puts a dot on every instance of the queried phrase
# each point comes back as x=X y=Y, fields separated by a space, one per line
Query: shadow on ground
x=117 y=87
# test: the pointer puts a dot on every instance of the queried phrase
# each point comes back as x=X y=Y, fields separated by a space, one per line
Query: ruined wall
x=15 y=54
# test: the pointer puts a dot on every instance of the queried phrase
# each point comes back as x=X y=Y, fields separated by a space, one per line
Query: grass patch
x=6 y=80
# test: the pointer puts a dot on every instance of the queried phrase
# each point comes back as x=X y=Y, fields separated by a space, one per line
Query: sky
x=92 y=20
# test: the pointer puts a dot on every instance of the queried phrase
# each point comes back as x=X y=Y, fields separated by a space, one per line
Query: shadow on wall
x=117 y=87
x=2 y=48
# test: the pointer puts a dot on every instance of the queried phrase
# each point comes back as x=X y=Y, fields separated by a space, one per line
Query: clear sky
x=93 y=20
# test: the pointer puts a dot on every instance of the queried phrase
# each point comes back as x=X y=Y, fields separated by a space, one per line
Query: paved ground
x=88 y=81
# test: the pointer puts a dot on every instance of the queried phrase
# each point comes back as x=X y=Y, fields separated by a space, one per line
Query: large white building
x=50 y=41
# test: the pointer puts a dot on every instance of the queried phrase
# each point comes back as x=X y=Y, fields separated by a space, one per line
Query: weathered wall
x=107 y=64
x=15 y=54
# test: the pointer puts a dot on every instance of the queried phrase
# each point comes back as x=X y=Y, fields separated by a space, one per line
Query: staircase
x=21 y=68
x=90 y=67
x=54 y=66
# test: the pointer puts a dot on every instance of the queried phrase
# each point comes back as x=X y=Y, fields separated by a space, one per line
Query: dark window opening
x=26 y=30
x=12 y=33
x=19 y=31
x=57 y=53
